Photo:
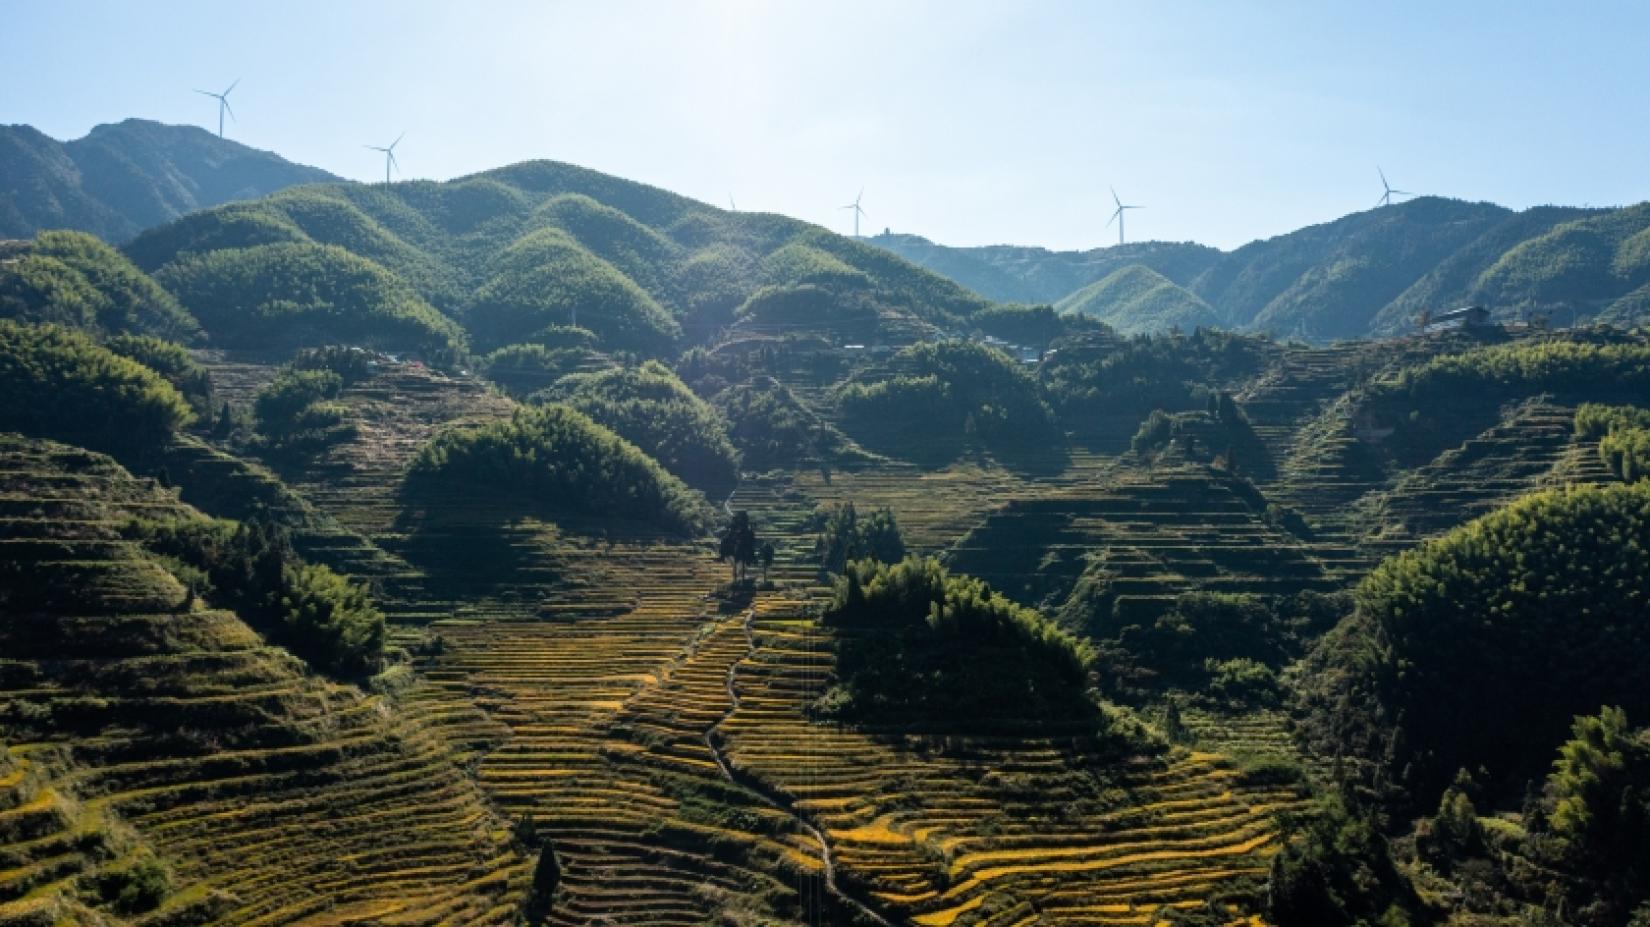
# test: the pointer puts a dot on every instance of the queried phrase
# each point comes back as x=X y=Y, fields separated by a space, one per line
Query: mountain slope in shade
x=1137 y=299
x=123 y=178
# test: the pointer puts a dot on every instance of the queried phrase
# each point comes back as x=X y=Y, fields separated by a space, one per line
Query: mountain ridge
x=1366 y=274
x=121 y=178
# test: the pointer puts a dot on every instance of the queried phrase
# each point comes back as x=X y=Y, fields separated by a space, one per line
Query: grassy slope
x=1136 y=299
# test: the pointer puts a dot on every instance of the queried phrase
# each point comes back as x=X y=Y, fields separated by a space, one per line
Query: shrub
x=58 y=383
x=554 y=458
x=138 y=886
x=351 y=364
x=251 y=568
x=331 y=620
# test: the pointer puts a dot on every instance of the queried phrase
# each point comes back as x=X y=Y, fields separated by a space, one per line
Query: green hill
x=121 y=179
x=71 y=278
x=1477 y=649
x=514 y=251
x=1136 y=299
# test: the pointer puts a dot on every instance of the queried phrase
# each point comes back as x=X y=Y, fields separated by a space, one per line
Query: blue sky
x=969 y=123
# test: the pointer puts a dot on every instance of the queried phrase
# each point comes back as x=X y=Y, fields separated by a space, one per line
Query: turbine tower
x=389 y=156
x=1386 y=196
x=1117 y=216
x=858 y=212
x=223 y=104
x=732 y=206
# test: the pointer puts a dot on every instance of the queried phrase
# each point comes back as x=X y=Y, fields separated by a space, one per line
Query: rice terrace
x=528 y=544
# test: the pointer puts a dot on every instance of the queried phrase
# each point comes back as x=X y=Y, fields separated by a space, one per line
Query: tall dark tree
x=738 y=545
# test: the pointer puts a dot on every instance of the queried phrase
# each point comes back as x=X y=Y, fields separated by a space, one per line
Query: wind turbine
x=1118 y=215
x=1386 y=197
x=389 y=156
x=732 y=206
x=223 y=104
x=858 y=212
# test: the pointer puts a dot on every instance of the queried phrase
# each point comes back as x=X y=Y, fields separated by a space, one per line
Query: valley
x=371 y=555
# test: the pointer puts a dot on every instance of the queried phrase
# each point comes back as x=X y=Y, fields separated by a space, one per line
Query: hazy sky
x=969 y=123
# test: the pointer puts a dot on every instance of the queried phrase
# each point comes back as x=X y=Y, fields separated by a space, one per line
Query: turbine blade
x=397 y=141
x=392 y=160
x=224 y=102
x=1383 y=176
x=207 y=93
x=232 y=86
x=1114 y=198
x=1113 y=218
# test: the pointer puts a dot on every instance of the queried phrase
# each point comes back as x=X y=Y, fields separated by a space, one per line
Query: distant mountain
x=1011 y=273
x=121 y=179
x=1367 y=274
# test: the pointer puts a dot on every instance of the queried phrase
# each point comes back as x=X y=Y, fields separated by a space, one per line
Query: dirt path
x=775 y=799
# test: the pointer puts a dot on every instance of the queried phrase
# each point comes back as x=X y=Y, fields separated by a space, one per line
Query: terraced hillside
x=996 y=831
x=1160 y=536
x=142 y=725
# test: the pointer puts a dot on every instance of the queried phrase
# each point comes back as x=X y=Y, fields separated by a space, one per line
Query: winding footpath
x=772 y=797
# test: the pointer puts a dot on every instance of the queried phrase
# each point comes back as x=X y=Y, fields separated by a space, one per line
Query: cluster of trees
x=73 y=279
x=555 y=352
x=295 y=294
x=947 y=391
x=251 y=568
x=1097 y=376
x=1219 y=434
x=772 y=429
x=555 y=458
x=1497 y=372
x=845 y=536
x=1623 y=435
x=938 y=652
x=741 y=549
x=1476 y=649
x=652 y=409
x=1225 y=648
x=173 y=362
x=59 y=383
x=1578 y=857
x=1032 y=326
x=298 y=413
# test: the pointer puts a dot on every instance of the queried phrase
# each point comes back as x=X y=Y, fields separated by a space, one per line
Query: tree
x=738 y=545
x=845 y=536
x=765 y=557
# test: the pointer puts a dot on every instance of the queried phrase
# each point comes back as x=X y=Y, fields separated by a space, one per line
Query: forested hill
x=1366 y=274
x=522 y=254
x=123 y=178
